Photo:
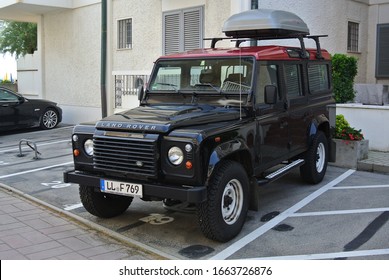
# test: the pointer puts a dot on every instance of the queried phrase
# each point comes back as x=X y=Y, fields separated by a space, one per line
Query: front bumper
x=192 y=195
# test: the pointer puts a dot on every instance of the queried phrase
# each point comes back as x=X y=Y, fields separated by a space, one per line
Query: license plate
x=122 y=188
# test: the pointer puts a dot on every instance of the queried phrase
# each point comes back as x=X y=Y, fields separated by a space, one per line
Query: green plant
x=344 y=70
x=18 y=38
x=344 y=131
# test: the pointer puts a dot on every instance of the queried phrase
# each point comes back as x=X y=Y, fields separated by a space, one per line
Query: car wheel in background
x=49 y=119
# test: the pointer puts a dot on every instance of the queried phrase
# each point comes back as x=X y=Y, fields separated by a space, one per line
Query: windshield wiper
x=209 y=85
x=175 y=87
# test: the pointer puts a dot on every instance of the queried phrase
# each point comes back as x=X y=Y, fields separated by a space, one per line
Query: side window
x=318 y=78
x=268 y=75
x=6 y=96
x=293 y=80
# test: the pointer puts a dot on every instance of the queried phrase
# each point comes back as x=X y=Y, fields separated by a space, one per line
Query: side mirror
x=140 y=92
x=271 y=94
x=21 y=99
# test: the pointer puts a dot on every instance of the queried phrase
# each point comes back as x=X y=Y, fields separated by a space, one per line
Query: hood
x=164 y=118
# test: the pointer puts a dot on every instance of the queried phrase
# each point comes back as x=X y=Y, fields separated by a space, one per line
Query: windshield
x=210 y=75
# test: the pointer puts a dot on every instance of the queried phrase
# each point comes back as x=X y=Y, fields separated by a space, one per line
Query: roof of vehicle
x=259 y=52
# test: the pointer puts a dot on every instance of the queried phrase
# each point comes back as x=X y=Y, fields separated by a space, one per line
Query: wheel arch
x=233 y=150
x=320 y=123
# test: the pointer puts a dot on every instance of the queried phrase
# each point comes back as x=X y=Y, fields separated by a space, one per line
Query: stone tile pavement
x=32 y=231
x=376 y=162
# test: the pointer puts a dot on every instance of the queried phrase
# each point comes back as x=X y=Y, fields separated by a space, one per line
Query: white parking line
x=34 y=170
x=362 y=253
x=360 y=187
x=340 y=212
x=38 y=145
x=72 y=207
x=284 y=215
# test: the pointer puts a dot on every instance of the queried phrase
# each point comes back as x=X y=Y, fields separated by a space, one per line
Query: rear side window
x=318 y=78
x=293 y=80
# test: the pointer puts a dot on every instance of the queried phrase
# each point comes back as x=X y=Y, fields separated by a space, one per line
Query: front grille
x=128 y=156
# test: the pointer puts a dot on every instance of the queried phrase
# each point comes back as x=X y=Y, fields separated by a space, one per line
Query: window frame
x=179 y=25
x=328 y=81
x=353 y=38
x=300 y=81
x=124 y=34
x=380 y=52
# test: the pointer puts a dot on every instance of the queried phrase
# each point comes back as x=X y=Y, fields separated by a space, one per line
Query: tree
x=18 y=38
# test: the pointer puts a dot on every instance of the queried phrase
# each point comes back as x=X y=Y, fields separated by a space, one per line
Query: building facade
x=67 y=66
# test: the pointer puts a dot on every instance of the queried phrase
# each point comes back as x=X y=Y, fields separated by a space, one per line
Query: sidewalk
x=32 y=231
x=376 y=162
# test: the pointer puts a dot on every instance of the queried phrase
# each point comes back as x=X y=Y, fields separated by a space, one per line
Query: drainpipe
x=254 y=6
x=103 y=70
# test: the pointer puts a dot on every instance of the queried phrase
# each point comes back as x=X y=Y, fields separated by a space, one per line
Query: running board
x=280 y=172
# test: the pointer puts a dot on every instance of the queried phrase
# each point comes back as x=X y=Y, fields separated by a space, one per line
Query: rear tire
x=316 y=160
x=103 y=205
x=222 y=215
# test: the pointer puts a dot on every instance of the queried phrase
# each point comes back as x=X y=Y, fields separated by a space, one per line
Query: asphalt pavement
x=32 y=228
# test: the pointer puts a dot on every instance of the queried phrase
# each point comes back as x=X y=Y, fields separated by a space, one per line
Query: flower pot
x=348 y=153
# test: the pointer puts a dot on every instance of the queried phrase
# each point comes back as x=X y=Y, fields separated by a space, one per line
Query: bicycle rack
x=28 y=143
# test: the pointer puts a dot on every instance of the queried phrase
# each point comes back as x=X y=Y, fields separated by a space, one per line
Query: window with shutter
x=182 y=30
x=382 y=63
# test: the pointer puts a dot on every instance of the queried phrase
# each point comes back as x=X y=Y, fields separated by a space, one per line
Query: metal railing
x=126 y=85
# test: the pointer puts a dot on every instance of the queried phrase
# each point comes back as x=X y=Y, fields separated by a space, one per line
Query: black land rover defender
x=212 y=125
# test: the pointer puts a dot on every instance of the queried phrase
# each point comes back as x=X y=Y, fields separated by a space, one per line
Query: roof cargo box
x=265 y=23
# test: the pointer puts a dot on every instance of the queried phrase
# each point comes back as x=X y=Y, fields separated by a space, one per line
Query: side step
x=280 y=172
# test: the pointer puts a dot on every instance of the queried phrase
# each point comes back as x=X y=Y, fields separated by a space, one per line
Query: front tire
x=103 y=205
x=49 y=119
x=222 y=216
x=316 y=160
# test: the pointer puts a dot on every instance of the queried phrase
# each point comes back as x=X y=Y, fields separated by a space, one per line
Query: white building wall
x=330 y=18
x=30 y=75
x=72 y=62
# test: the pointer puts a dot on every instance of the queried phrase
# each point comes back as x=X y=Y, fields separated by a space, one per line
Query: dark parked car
x=18 y=112
x=212 y=126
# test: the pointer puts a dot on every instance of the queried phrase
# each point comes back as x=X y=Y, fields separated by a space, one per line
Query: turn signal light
x=188 y=165
x=76 y=152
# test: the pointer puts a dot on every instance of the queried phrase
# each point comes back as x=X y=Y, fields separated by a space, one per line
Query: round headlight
x=88 y=147
x=175 y=155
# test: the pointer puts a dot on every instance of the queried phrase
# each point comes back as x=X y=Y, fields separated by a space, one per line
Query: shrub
x=344 y=70
x=344 y=131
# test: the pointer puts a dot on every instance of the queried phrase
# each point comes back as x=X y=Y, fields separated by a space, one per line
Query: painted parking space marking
x=35 y=170
x=339 y=212
x=236 y=246
x=361 y=253
x=72 y=207
x=360 y=187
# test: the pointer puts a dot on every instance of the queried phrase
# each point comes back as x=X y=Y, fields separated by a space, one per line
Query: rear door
x=299 y=114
